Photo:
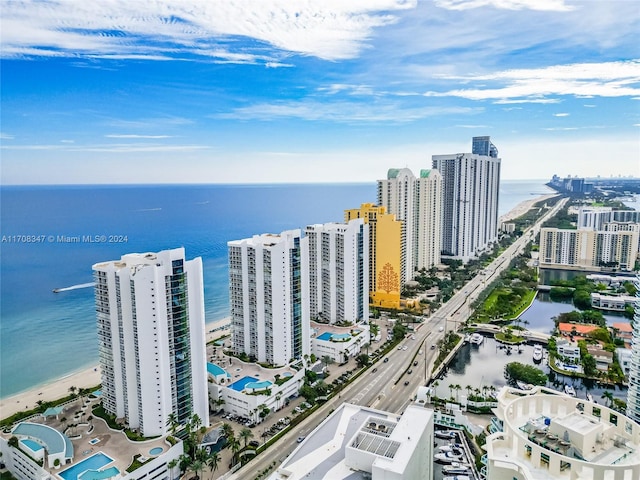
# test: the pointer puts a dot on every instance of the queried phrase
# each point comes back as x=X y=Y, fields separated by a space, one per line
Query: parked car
x=300 y=439
x=415 y=364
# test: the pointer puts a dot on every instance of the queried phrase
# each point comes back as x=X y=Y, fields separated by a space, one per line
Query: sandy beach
x=86 y=378
x=90 y=377
x=523 y=207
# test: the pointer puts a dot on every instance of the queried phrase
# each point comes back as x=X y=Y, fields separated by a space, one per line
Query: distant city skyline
x=268 y=92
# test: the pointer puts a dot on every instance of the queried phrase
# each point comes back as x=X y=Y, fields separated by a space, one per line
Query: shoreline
x=523 y=207
x=84 y=378
x=90 y=376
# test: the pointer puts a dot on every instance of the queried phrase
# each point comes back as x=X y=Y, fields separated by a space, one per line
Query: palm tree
x=609 y=396
x=278 y=397
x=457 y=388
x=435 y=388
x=451 y=387
x=227 y=431
x=469 y=389
x=245 y=434
x=171 y=465
x=234 y=446
x=172 y=423
x=212 y=462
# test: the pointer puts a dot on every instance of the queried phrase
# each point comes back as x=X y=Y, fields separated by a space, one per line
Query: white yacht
x=538 y=353
x=569 y=390
x=455 y=469
x=476 y=339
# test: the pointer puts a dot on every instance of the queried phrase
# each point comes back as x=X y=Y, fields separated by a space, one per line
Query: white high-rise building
x=151 y=330
x=338 y=280
x=417 y=202
x=633 y=393
x=269 y=319
x=470 y=200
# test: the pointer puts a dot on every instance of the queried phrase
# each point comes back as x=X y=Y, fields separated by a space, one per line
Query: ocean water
x=46 y=335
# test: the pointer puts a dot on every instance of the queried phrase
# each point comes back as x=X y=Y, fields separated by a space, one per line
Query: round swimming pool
x=155 y=451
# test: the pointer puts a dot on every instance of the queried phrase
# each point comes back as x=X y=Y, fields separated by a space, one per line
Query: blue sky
x=213 y=91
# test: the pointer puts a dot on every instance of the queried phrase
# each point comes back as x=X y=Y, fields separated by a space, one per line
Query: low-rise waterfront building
x=361 y=442
x=603 y=358
x=614 y=303
x=41 y=452
x=569 y=351
x=623 y=331
x=576 y=329
x=548 y=435
x=338 y=343
x=624 y=360
x=248 y=390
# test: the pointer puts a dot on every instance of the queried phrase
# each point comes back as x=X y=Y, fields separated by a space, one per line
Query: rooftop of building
x=328 y=332
x=577 y=327
x=389 y=437
x=562 y=425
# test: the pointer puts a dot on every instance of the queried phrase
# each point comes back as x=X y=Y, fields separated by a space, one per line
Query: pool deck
x=239 y=369
x=114 y=444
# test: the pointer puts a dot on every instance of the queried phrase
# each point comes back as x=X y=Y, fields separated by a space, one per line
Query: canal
x=483 y=366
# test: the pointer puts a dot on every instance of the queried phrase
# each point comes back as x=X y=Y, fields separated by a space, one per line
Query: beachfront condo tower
x=633 y=393
x=337 y=287
x=470 y=199
x=269 y=319
x=417 y=202
x=385 y=248
x=151 y=332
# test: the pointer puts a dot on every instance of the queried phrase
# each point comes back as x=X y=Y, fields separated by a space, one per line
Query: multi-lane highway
x=388 y=385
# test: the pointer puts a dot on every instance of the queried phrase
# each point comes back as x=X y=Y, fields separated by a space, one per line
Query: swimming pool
x=101 y=475
x=156 y=451
x=335 y=337
x=35 y=446
x=94 y=462
x=239 y=385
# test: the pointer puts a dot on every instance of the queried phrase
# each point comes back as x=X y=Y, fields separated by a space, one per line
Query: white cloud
x=564 y=114
x=344 y=112
x=332 y=29
x=472 y=126
x=608 y=79
x=113 y=135
x=6 y=136
x=117 y=148
x=551 y=5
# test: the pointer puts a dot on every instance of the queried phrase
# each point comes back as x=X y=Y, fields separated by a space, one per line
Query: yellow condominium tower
x=385 y=250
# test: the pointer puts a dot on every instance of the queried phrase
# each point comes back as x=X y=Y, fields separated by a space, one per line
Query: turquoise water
x=215 y=370
x=35 y=446
x=202 y=218
x=326 y=336
x=99 y=475
x=239 y=385
x=94 y=462
x=259 y=385
x=155 y=451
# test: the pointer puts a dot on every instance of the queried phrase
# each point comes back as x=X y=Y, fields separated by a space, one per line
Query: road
x=382 y=386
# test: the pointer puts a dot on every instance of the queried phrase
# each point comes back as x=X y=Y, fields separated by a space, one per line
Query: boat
x=590 y=397
x=467 y=337
x=56 y=290
x=457 y=477
x=457 y=451
x=537 y=353
x=524 y=386
x=455 y=469
x=569 y=390
x=451 y=447
x=447 y=457
x=476 y=339
x=447 y=434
